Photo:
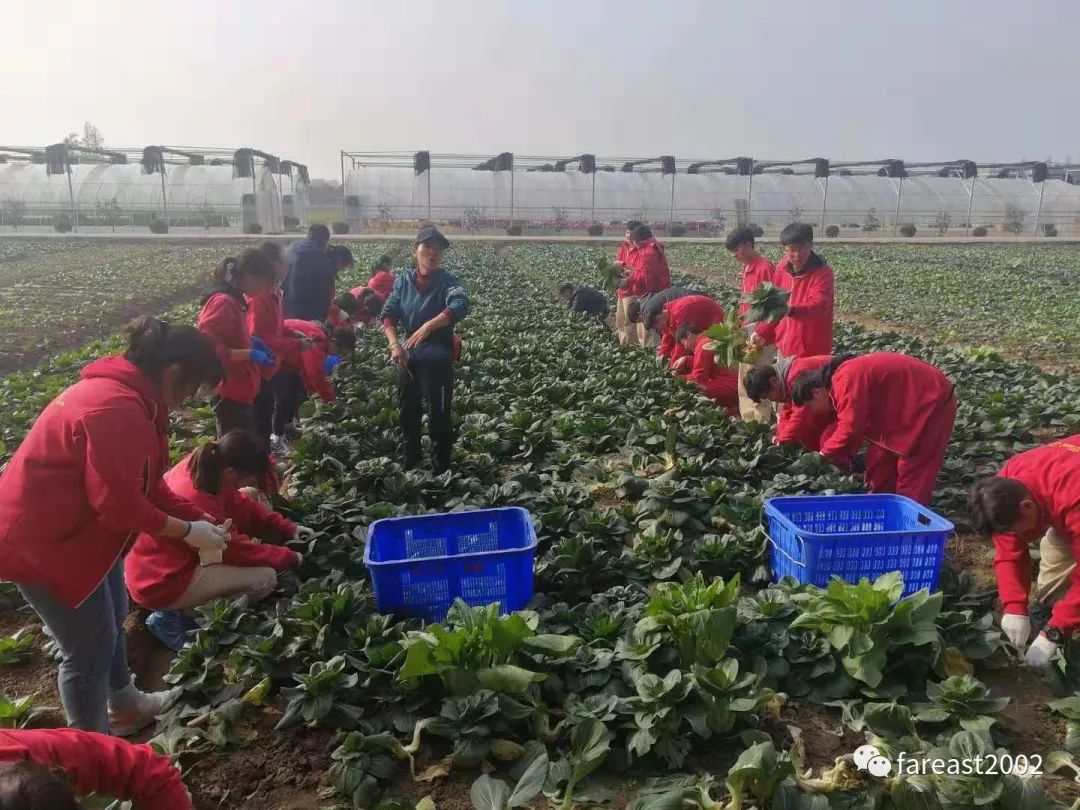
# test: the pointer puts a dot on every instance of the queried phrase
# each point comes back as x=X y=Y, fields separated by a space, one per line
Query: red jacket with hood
x=159 y=569
x=312 y=365
x=97 y=763
x=716 y=382
x=1052 y=475
x=223 y=319
x=884 y=398
x=650 y=272
x=694 y=310
x=85 y=480
x=266 y=322
x=807 y=329
x=798 y=424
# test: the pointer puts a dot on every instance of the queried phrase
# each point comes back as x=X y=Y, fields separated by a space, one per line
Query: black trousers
x=288 y=397
x=264 y=411
x=430 y=381
x=232 y=415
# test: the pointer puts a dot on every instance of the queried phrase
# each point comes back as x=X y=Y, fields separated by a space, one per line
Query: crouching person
x=772 y=383
x=1036 y=495
x=717 y=382
x=584 y=300
x=170 y=578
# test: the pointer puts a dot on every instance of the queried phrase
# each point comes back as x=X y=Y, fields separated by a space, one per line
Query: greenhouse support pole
x=671 y=210
x=824 y=201
x=429 y=194
x=750 y=194
x=592 y=215
x=344 y=209
x=1038 y=211
x=511 y=196
x=896 y=216
x=971 y=203
x=164 y=197
x=71 y=196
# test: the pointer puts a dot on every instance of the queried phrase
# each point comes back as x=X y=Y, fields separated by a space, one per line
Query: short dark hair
x=633 y=224
x=251 y=262
x=27 y=785
x=994 y=505
x=804 y=386
x=641 y=233
x=345 y=339
x=686 y=330
x=566 y=287
x=319 y=233
x=155 y=345
x=797 y=233
x=758 y=380
x=347 y=303
x=370 y=302
x=739 y=236
x=238 y=450
x=273 y=250
x=340 y=254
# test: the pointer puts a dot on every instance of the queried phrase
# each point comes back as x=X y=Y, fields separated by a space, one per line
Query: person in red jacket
x=87 y=477
x=716 y=382
x=1036 y=494
x=794 y=424
x=629 y=332
x=903 y=407
x=46 y=769
x=223 y=319
x=266 y=322
x=166 y=576
x=343 y=311
x=649 y=271
x=370 y=304
x=381 y=281
x=691 y=310
x=807 y=329
x=317 y=363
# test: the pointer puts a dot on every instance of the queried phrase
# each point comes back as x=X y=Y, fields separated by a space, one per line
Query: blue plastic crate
x=420 y=564
x=815 y=538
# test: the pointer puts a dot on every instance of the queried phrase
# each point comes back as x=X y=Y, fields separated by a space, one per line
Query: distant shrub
x=253 y=227
x=514 y=230
x=596 y=229
x=907 y=230
x=832 y=231
x=291 y=223
x=62 y=223
x=1049 y=229
x=979 y=231
x=756 y=230
x=159 y=226
x=677 y=230
x=340 y=228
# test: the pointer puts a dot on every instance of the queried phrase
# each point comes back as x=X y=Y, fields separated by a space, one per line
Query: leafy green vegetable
x=768 y=303
x=16 y=647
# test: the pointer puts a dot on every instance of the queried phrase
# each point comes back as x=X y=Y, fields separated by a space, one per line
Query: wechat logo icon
x=868 y=758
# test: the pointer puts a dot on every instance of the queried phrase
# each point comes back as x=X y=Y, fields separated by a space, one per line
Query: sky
x=921 y=80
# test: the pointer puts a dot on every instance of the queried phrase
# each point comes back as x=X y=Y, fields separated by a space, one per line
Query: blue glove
x=332 y=362
x=257 y=343
x=263 y=357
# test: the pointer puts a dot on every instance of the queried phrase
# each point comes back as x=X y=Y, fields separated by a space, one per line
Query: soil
x=36 y=674
x=971 y=552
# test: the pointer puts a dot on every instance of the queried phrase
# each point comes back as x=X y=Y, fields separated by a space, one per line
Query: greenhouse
x=556 y=194
x=65 y=187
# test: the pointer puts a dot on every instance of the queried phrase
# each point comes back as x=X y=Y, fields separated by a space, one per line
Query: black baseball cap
x=429 y=233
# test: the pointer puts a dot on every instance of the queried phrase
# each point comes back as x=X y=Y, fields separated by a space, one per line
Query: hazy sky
x=920 y=79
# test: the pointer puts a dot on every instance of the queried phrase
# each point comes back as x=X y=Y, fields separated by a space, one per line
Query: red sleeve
x=267 y=326
x=678 y=352
x=704 y=364
x=255 y=519
x=217 y=321
x=96 y=763
x=314 y=373
x=1012 y=566
x=767 y=331
x=654 y=271
x=799 y=425
x=819 y=302
x=1066 y=613
x=667 y=344
x=242 y=552
x=851 y=403
x=172 y=504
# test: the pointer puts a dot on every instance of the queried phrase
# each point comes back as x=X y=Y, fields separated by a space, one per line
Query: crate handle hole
x=924 y=520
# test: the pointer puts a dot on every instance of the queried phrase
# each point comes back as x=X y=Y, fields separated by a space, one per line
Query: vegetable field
x=657 y=665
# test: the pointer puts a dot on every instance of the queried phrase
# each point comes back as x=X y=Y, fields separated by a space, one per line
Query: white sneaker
x=131 y=710
x=280 y=447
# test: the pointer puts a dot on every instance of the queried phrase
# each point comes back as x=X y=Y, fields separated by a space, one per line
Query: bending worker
x=794 y=424
x=425 y=304
x=1036 y=495
x=904 y=408
x=691 y=310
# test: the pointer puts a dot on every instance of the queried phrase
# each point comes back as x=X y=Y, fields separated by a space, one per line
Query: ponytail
x=237 y=450
x=155 y=345
x=253 y=262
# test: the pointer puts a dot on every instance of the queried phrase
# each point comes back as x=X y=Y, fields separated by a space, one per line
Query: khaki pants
x=749 y=410
x=218 y=581
x=1056 y=563
x=630 y=334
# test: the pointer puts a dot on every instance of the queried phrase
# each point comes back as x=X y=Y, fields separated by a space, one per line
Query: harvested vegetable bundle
x=767 y=303
x=728 y=341
x=611 y=277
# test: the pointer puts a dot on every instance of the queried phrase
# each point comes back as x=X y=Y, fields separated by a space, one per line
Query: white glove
x=303 y=533
x=1017 y=629
x=1041 y=652
x=205 y=535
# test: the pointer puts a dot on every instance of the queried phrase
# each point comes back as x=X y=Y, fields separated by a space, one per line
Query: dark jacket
x=308 y=287
x=653 y=304
x=588 y=300
x=408 y=308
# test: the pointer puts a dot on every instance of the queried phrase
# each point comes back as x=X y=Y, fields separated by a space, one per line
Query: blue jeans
x=94 y=646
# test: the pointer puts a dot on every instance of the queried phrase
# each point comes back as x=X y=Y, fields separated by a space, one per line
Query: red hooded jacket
x=1052 y=476
x=884 y=398
x=223 y=319
x=650 y=272
x=753 y=274
x=312 y=366
x=382 y=282
x=807 y=329
x=85 y=480
x=159 y=570
x=97 y=763
x=798 y=424
x=718 y=383
x=694 y=310
x=266 y=322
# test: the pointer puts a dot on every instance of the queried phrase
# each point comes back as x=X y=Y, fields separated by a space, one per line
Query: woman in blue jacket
x=424 y=305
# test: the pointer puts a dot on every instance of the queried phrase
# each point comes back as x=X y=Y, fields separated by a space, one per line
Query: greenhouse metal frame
x=707 y=196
